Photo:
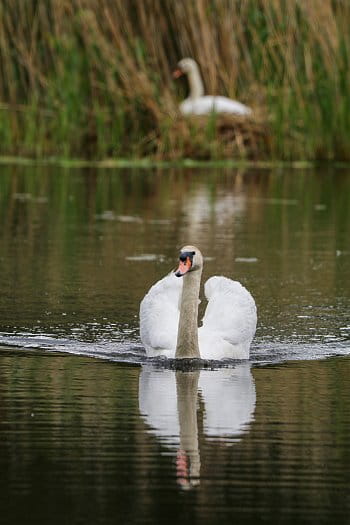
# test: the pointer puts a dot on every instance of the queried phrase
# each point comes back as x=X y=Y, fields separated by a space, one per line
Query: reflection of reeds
x=92 y=77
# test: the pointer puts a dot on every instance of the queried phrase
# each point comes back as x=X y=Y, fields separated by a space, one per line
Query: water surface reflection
x=176 y=404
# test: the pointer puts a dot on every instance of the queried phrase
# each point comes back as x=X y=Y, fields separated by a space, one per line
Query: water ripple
x=263 y=351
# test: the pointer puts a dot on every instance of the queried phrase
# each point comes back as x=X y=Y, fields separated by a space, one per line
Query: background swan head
x=189 y=67
x=191 y=260
x=185 y=66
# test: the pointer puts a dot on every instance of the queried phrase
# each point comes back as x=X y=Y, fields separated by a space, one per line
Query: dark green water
x=90 y=432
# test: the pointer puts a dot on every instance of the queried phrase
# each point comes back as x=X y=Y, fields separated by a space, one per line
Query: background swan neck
x=195 y=82
x=187 y=337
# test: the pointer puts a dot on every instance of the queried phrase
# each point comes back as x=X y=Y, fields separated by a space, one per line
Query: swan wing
x=208 y=104
x=159 y=317
x=229 y=322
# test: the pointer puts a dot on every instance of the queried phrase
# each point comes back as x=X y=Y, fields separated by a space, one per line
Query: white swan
x=197 y=103
x=169 y=315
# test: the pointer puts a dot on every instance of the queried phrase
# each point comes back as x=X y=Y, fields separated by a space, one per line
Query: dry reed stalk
x=226 y=136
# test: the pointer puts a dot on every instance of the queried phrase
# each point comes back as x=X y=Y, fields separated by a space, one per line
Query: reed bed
x=92 y=78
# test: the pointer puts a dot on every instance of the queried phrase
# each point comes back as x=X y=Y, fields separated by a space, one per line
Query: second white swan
x=199 y=104
x=169 y=314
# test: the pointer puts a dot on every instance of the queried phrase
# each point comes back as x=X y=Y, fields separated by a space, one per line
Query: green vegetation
x=92 y=78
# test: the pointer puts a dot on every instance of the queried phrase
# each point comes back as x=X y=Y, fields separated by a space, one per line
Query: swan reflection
x=172 y=402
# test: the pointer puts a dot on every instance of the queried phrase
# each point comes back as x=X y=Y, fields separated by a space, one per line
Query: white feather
x=213 y=104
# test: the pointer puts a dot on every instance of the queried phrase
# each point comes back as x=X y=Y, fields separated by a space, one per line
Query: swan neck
x=195 y=82
x=187 y=337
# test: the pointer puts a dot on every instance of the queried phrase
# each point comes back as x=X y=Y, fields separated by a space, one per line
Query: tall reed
x=92 y=78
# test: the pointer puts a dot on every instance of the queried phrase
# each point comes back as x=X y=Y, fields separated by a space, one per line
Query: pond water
x=93 y=432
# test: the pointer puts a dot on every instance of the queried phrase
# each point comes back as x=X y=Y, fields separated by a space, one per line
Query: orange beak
x=177 y=73
x=184 y=267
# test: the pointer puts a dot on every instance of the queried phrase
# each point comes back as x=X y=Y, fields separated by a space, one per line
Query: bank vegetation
x=92 y=78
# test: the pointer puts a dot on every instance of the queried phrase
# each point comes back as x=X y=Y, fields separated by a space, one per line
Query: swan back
x=213 y=104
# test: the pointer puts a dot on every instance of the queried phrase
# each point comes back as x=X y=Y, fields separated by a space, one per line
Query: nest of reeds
x=216 y=136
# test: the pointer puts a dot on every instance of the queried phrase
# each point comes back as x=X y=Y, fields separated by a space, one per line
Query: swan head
x=190 y=259
x=185 y=66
